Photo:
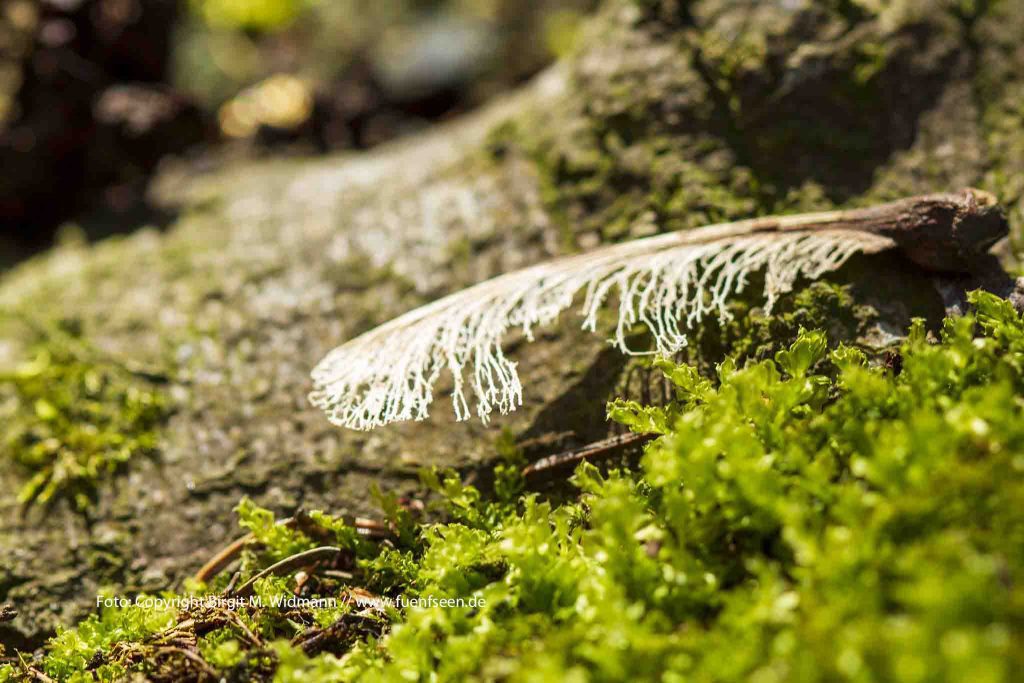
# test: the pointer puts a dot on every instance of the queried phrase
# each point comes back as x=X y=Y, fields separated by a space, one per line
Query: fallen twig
x=288 y=564
x=338 y=574
x=253 y=638
x=39 y=675
x=34 y=672
x=669 y=281
x=597 y=449
x=232 y=582
x=311 y=641
x=224 y=557
x=192 y=657
x=216 y=564
x=371 y=528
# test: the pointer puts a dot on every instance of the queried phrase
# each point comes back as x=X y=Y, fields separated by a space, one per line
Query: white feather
x=668 y=282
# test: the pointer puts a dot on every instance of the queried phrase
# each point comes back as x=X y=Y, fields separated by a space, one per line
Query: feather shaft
x=668 y=282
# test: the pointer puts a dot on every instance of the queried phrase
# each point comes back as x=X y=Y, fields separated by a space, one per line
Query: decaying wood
x=193 y=657
x=944 y=232
x=947 y=232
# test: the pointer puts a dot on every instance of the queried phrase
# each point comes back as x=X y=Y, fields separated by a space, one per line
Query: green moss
x=1003 y=121
x=73 y=417
x=72 y=652
x=714 y=111
x=606 y=185
x=752 y=335
x=222 y=649
x=804 y=516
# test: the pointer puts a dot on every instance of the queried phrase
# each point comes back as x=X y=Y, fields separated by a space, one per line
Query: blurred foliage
x=85 y=116
x=18 y=21
x=264 y=15
x=396 y=62
x=807 y=517
x=95 y=93
x=73 y=417
x=281 y=101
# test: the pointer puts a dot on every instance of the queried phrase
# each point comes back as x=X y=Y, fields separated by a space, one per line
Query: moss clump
x=72 y=652
x=804 y=517
x=611 y=181
x=751 y=335
x=244 y=635
x=716 y=111
x=73 y=417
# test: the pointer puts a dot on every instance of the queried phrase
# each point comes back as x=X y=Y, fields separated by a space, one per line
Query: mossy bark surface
x=664 y=118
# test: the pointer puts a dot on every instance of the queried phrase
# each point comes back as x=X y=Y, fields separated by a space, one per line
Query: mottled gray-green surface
x=664 y=118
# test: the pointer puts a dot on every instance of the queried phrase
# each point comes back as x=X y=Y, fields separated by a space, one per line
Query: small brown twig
x=338 y=574
x=232 y=582
x=39 y=675
x=371 y=528
x=311 y=640
x=222 y=559
x=598 y=449
x=35 y=673
x=216 y=564
x=192 y=657
x=288 y=564
x=941 y=233
x=240 y=623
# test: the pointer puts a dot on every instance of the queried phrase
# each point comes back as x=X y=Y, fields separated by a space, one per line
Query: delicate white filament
x=668 y=283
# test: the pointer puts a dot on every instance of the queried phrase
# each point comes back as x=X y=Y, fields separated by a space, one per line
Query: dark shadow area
x=578 y=416
x=830 y=112
x=87 y=117
x=95 y=94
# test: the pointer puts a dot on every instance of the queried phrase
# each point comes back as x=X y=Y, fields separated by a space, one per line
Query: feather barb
x=669 y=283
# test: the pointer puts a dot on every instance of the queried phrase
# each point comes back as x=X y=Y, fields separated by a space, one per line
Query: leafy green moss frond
x=74 y=417
x=804 y=517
